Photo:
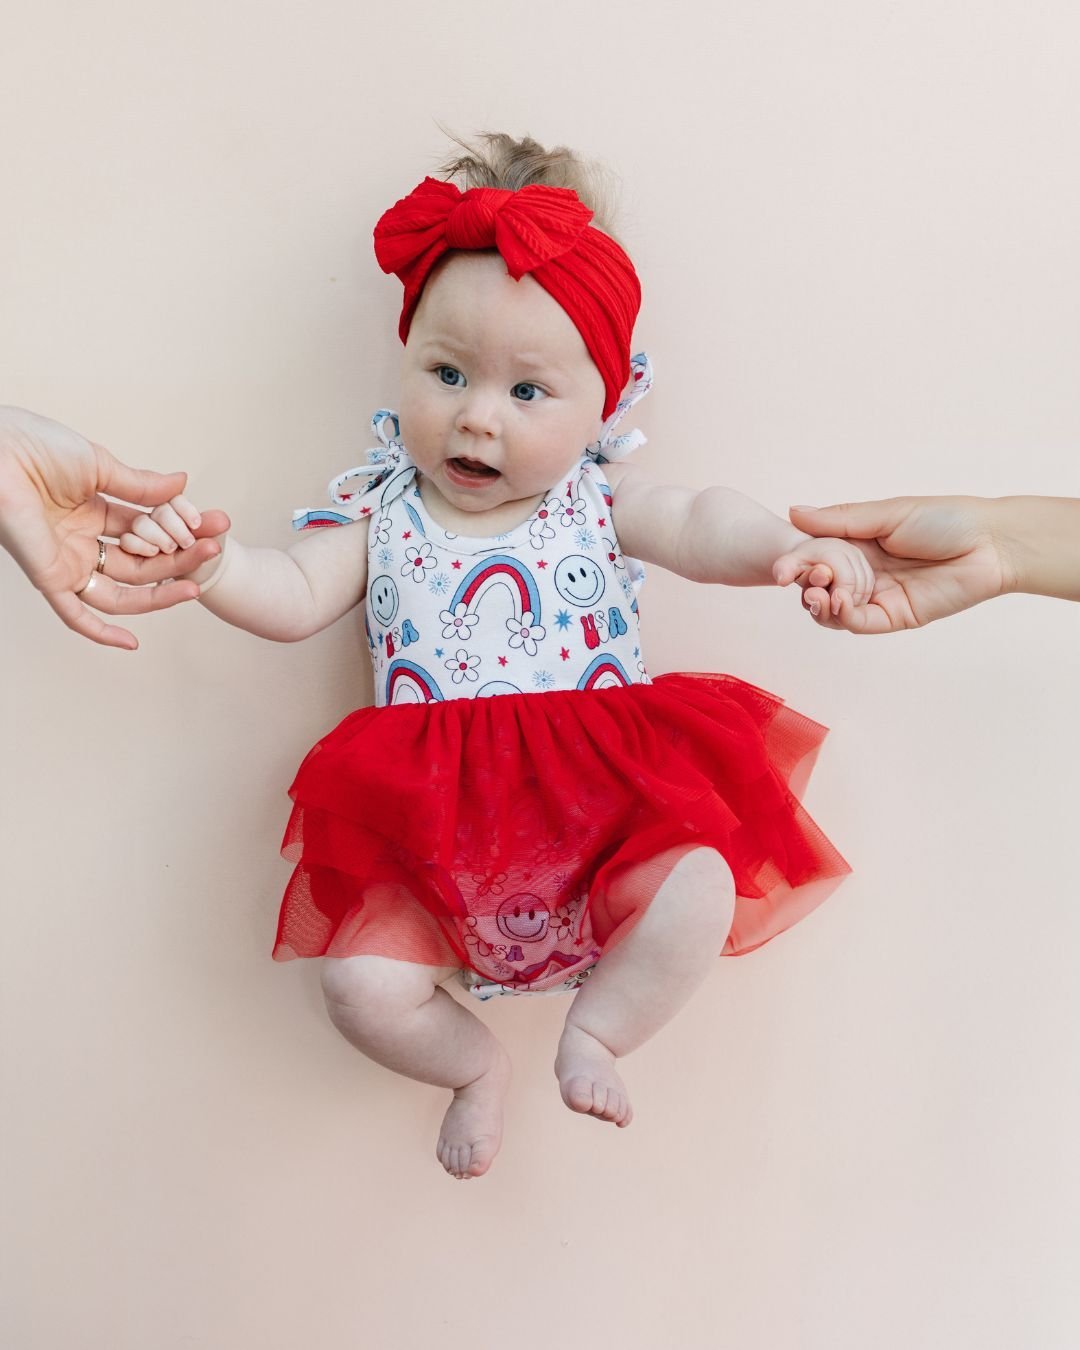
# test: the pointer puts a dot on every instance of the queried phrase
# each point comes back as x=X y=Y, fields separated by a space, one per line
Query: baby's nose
x=479 y=416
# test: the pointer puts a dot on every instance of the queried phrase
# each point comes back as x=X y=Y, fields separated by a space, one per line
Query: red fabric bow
x=539 y=231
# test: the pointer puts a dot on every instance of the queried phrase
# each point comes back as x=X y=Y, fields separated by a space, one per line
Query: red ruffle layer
x=523 y=834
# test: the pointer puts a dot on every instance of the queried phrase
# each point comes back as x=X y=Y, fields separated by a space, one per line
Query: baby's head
x=517 y=319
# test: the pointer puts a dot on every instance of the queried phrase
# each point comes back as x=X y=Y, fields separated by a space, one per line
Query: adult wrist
x=1038 y=541
x=1008 y=542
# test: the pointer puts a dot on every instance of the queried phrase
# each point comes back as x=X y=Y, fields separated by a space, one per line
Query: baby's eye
x=527 y=393
x=451 y=376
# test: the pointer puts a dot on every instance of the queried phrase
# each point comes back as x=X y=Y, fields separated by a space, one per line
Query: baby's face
x=499 y=395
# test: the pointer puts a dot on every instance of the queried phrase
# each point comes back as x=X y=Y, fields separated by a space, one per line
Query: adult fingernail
x=815 y=609
x=803 y=507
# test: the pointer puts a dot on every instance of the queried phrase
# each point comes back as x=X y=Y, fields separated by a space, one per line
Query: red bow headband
x=542 y=231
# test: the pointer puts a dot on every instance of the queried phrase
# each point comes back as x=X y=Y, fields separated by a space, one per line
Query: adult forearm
x=734 y=540
x=1039 y=542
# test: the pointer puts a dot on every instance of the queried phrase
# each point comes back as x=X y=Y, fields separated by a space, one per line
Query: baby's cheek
x=420 y=431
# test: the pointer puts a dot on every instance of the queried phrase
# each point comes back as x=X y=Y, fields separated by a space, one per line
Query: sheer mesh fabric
x=523 y=835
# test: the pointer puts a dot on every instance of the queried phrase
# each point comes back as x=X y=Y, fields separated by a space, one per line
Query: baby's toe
x=601 y=1094
x=449 y=1158
x=580 y=1094
x=616 y=1106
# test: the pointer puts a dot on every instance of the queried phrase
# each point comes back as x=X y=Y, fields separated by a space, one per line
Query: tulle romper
x=522 y=789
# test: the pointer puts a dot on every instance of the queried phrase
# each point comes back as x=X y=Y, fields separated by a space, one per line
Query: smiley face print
x=579 y=580
x=524 y=918
x=383 y=592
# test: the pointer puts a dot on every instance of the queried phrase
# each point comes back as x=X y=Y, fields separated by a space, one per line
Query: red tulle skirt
x=521 y=836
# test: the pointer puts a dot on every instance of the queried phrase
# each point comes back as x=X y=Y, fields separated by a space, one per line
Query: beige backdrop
x=856 y=225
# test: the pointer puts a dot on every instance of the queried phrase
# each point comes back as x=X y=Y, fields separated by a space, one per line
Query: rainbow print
x=317 y=520
x=499 y=570
x=407 y=682
x=604 y=673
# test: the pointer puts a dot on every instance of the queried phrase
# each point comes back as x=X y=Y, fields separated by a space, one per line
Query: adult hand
x=932 y=556
x=52 y=515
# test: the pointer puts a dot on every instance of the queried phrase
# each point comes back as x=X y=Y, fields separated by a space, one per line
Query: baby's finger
x=821 y=574
x=119 y=517
x=131 y=543
x=839 y=598
x=187 y=512
x=816 y=600
x=859 y=619
x=871 y=578
x=148 y=529
x=864 y=583
x=786 y=569
x=173 y=523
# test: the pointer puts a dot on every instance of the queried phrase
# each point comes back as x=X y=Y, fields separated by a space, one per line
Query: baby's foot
x=472 y=1127
x=587 y=1078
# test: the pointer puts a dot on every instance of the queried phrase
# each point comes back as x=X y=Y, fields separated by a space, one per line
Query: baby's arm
x=283 y=595
x=716 y=534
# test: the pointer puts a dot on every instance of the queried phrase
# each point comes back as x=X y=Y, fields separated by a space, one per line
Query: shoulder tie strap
x=388 y=472
x=611 y=447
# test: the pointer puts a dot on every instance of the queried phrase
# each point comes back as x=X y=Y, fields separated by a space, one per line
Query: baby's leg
x=396 y=1013
x=643 y=982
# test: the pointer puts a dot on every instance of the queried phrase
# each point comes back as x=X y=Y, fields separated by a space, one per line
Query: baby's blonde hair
x=494 y=159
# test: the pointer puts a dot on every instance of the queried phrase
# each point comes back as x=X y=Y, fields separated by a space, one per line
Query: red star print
x=601 y=521
x=455 y=563
x=564 y=654
x=406 y=534
x=365 y=510
x=541 y=563
x=502 y=660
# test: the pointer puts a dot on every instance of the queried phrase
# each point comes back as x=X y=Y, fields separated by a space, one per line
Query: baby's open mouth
x=475 y=468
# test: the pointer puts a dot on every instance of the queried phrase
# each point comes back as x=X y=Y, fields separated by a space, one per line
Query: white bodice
x=551 y=605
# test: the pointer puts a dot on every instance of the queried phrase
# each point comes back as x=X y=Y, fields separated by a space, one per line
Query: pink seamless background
x=856 y=228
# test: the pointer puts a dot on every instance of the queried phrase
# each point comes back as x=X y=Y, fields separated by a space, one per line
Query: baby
x=524 y=807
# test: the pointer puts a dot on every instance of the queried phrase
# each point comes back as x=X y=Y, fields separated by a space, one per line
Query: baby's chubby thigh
x=687 y=919
x=377 y=987
x=352 y=978
x=369 y=998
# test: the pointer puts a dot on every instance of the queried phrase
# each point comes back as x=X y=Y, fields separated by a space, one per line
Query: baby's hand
x=175 y=525
x=832 y=573
x=165 y=529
